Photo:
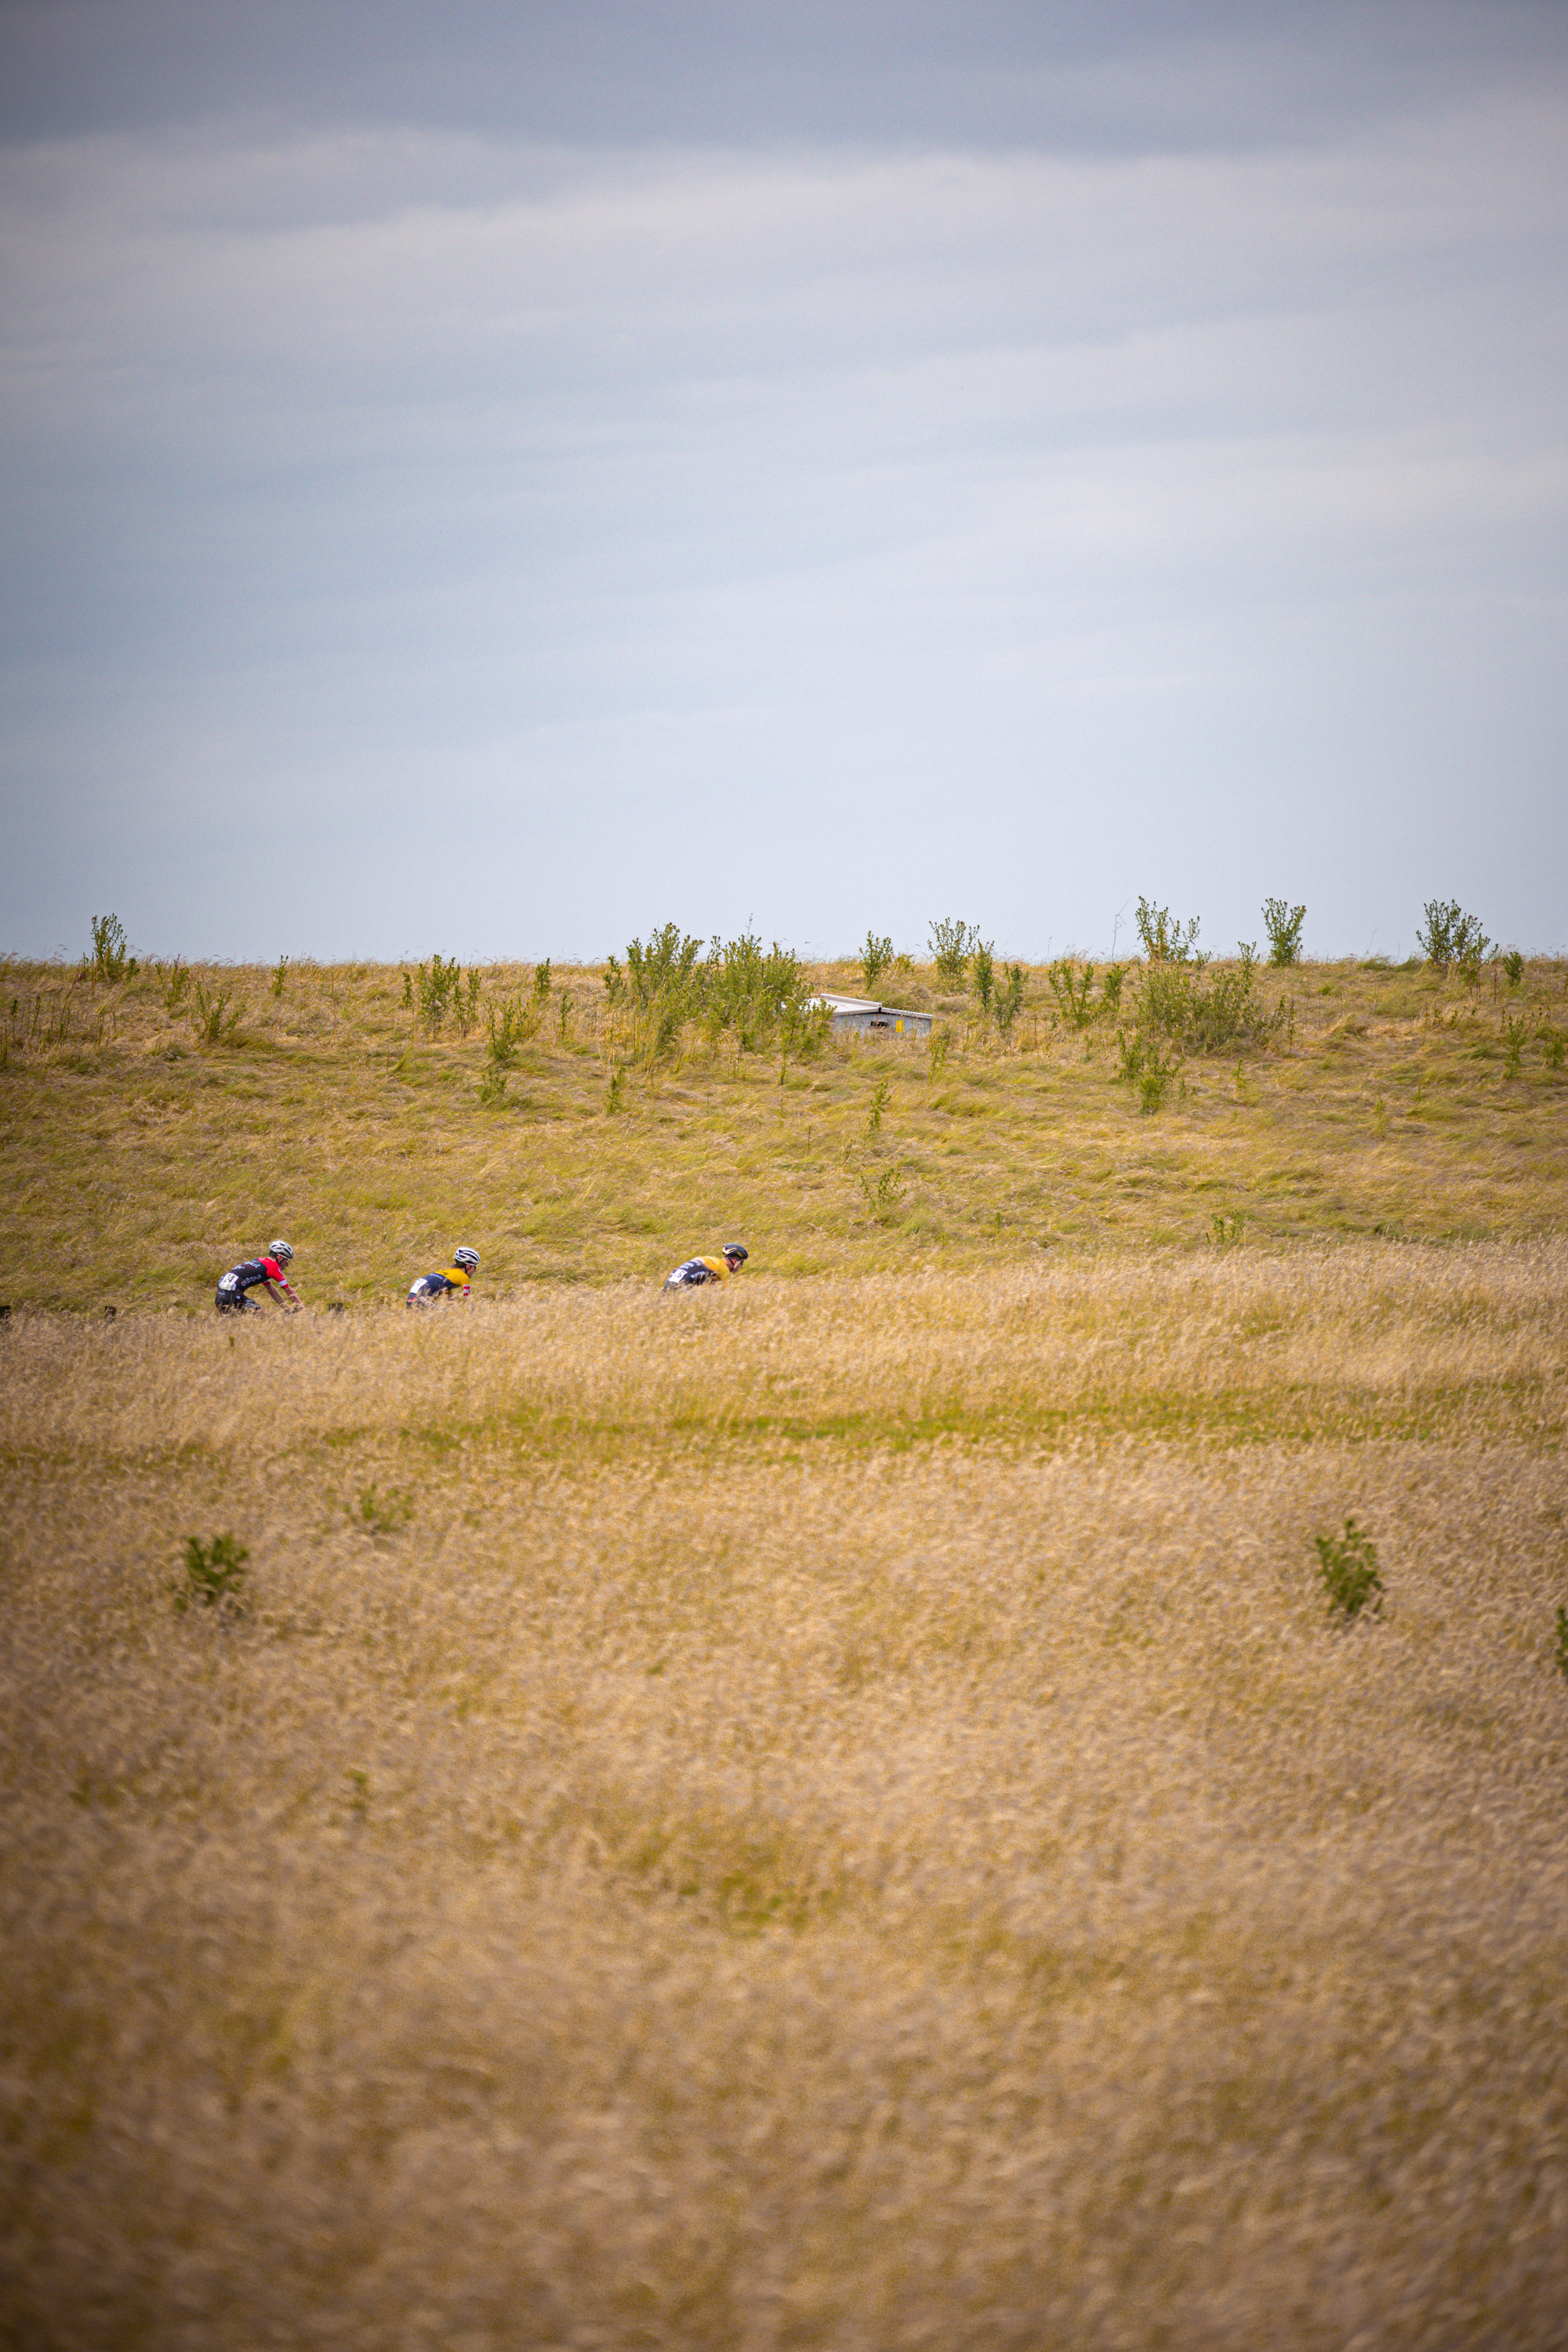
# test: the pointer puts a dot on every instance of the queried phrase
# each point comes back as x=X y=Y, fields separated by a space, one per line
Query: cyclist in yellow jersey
x=454 y=1282
x=698 y=1270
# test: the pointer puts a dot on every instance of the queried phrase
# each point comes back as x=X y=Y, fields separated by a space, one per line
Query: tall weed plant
x=111 y=960
x=1283 y=924
x=437 y=992
x=952 y=942
x=1009 y=997
x=216 y=1011
x=875 y=955
x=985 y=974
x=1163 y=938
x=1446 y=937
x=510 y=1025
x=1073 y=992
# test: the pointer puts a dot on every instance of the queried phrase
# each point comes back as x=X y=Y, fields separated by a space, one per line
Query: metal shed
x=861 y=1016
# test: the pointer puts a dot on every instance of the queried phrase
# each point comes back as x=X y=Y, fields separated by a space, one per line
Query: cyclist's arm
x=274 y=1290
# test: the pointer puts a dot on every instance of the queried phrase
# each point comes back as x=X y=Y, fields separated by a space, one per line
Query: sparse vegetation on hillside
x=152 y=1128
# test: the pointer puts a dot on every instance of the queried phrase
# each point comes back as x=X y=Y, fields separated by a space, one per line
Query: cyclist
x=265 y=1274
x=465 y=1263
x=698 y=1270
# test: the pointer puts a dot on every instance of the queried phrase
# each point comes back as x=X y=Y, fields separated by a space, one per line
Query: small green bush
x=875 y=955
x=1347 y=1567
x=1141 y=1064
x=952 y=945
x=883 y=1197
x=1009 y=997
x=665 y=963
x=1448 y=936
x=376 y=1514
x=1204 y=1014
x=213 y=1574
x=1514 y=964
x=1165 y=941
x=510 y=1025
x=1071 y=991
x=985 y=961
x=280 y=974
x=737 y=991
x=215 y=1013
x=541 y=979
x=437 y=990
x=878 y=1105
x=1283 y=924
x=752 y=996
x=110 y=960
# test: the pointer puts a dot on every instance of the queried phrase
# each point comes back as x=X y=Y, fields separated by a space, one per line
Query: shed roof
x=867 y=1005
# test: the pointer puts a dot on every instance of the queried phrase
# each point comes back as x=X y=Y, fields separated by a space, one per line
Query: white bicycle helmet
x=468 y=1259
x=281 y=1251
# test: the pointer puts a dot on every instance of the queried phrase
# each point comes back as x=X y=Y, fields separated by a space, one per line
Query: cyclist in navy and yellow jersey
x=453 y=1282
x=698 y=1270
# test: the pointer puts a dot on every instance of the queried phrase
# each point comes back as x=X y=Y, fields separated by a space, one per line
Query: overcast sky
x=494 y=478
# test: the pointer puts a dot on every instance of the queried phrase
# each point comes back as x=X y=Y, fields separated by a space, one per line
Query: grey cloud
x=1125 y=75
x=645 y=524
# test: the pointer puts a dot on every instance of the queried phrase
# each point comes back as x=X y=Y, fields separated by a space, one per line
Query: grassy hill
x=140 y=1160
x=833 y=1812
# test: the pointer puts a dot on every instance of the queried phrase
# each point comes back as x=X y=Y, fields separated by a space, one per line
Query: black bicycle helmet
x=734 y=1255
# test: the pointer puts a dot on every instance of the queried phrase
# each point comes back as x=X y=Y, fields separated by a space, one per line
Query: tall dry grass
x=837 y=1819
x=1358 y=1330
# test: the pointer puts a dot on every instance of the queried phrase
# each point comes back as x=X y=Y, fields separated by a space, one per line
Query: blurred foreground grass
x=826 y=1813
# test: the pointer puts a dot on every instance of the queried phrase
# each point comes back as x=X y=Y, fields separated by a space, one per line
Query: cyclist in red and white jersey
x=258 y=1274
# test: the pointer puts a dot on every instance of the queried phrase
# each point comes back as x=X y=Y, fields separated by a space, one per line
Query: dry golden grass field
x=832 y=1812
